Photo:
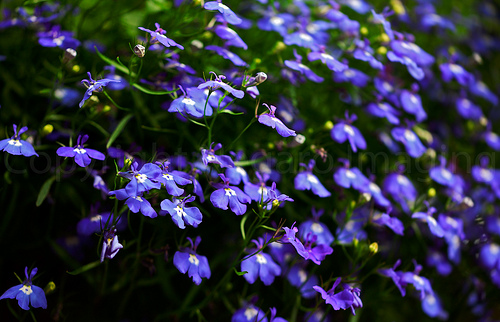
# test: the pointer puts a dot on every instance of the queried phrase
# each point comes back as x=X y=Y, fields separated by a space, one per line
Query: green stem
x=239 y=135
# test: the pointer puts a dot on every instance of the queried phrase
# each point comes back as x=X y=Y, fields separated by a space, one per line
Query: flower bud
x=382 y=50
x=328 y=125
x=47 y=129
x=69 y=55
x=299 y=139
x=51 y=286
x=139 y=51
x=363 y=30
x=373 y=248
x=259 y=78
x=431 y=192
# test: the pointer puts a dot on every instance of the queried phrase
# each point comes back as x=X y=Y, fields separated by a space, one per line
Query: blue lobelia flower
x=143 y=179
x=401 y=189
x=279 y=22
x=350 y=177
x=192 y=102
x=218 y=83
x=453 y=234
x=181 y=214
x=314 y=227
x=452 y=70
x=274 y=318
x=382 y=109
x=306 y=180
x=434 y=227
x=343 y=131
x=159 y=35
x=208 y=156
x=249 y=313
x=271 y=120
x=327 y=59
x=57 y=38
x=171 y=178
x=298 y=277
x=16 y=146
x=94 y=86
x=27 y=293
x=392 y=222
x=274 y=198
x=110 y=244
x=92 y=224
x=364 y=52
x=411 y=103
x=258 y=192
x=186 y=260
x=226 y=194
x=302 y=69
x=381 y=19
x=259 y=265
x=442 y=175
x=82 y=155
x=467 y=109
x=232 y=37
x=342 y=300
x=226 y=54
x=289 y=237
x=412 y=143
x=228 y=14
x=237 y=174
x=318 y=252
x=351 y=75
x=135 y=203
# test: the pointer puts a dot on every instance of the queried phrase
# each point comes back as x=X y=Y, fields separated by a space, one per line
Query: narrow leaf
x=44 y=191
x=239 y=273
x=148 y=91
x=231 y=112
x=118 y=66
x=84 y=268
x=118 y=130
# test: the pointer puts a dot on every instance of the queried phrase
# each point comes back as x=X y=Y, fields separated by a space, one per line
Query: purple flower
x=437 y=260
x=318 y=252
x=327 y=59
x=343 y=131
x=365 y=53
x=342 y=300
x=434 y=227
x=228 y=15
x=412 y=67
x=249 y=313
x=218 y=83
x=382 y=109
x=401 y=189
x=392 y=222
x=226 y=194
x=260 y=265
x=306 y=180
x=159 y=35
x=273 y=316
x=303 y=69
x=316 y=228
x=381 y=18
x=171 y=178
x=208 y=156
x=396 y=278
x=27 y=293
x=298 y=277
x=271 y=120
x=492 y=139
x=354 y=76
x=412 y=104
x=193 y=102
x=274 y=198
x=110 y=245
x=237 y=174
x=479 y=88
x=92 y=224
x=187 y=260
x=57 y=38
x=301 y=39
x=82 y=155
x=141 y=180
x=453 y=234
x=135 y=203
x=442 y=175
x=346 y=177
x=180 y=213
x=94 y=86
x=412 y=143
x=258 y=192
x=467 y=109
x=489 y=255
x=289 y=237
x=233 y=39
x=277 y=22
x=451 y=70
x=16 y=146
x=226 y=54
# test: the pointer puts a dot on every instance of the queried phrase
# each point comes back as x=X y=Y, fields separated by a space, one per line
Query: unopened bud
x=431 y=192
x=139 y=51
x=382 y=50
x=259 y=78
x=299 y=139
x=384 y=38
x=51 y=286
x=276 y=203
x=373 y=248
x=196 y=45
x=328 y=125
x=47 y=129
x=76 y=68
x=69 y=55
x=363 y=30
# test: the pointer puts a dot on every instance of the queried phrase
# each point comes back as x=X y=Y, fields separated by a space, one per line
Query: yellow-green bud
x=76 y=68
x=398 y=7
x=328 y=125
x=373 y=248
x=280 y=46
x=363 y=30
x=382 y=50
x=51 y=286
x=431 y=192
x=47 y=129
x=106 y=108
x=384 y=38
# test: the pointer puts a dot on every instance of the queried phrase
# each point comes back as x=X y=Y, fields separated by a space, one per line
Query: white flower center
x=138 y=198
x=302 y=276
x=262 y=190
x=15 y=143
x=305 y=37
x=413 y=99
x=388 y=87
x=230 y=192
x=193 y=259
x=180 y=211
x=349 y=73
x=494 y=249
x=410 y=136
x=59 y=40
x=348 y=129
x=26 y=289
x=168 y=177
x=446 y=174
x=250 y=313
x=141 y=178
x=210 y=157
x=317 y=228
x=188 y=101
x=80 y=151
x=486 y=174
x=312 y=179
x=456 y=69
x=95 y=218
x=402 y=180
x=261 y=259
x=418 y=280
x=350 y=174
x=241 y=171
x=466 y=103
x=374 y=188
x=277 y=21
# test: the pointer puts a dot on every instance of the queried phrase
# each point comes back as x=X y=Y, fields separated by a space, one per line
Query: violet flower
x=94 y=86
x=226 y=54
x=15 y=145
x=259 y=265
x=228 y=14
x=27 y=293
x=110 y=245
x=306 y=180
x=208 y=156
x=82 y=155
x=228 y=195
x=271 y=120
x=218 y=83
x=344 y=131
x=181 y=214
x=159 y=35
x=186 y=260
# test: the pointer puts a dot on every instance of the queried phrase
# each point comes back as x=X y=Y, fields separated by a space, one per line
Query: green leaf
x=239 y=273
x=84 y=268
x=118 y=130
x=148 y=91
x=231 y=112
x=118 y=66
x=99 y=127
x=44 y=191
x=153 y=129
